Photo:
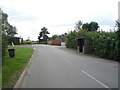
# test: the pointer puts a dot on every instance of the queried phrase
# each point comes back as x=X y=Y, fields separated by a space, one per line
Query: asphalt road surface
x=57 y=67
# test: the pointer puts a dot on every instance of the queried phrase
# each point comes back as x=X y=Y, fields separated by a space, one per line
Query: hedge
x=105 y=44
x=15 y=40
x=4 y=45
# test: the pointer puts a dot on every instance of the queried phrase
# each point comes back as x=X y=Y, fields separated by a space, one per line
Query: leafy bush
x=105 y=44
x=118 y=42
x=15 y=40
x=71 y=42
x=74 y=35
x=43 y=42
x=4 y=45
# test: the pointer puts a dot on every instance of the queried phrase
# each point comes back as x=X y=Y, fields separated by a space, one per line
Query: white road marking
x=67 y=60
x=95 y=79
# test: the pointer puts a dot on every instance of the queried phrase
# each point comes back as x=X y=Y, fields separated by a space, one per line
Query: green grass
x=13 y=67
x=0 y=77
x=27 y=44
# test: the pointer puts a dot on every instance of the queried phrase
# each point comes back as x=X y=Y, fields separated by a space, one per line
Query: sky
x=58 y=16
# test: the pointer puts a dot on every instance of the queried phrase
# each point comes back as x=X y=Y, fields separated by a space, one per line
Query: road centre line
x=67 y=60
x=91 y=76
x=95 y=79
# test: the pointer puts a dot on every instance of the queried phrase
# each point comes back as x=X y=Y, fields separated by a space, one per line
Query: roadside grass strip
x=13 y=67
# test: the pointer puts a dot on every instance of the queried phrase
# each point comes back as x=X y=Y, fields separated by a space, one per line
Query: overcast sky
x=58 y=16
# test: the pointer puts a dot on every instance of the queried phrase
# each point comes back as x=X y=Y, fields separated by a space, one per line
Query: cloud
x=59 y=16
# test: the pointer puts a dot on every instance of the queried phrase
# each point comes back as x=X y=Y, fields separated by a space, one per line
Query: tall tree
x=7 y=30
x=4 y=36
x=6 y=27
x=43 y=34
x=93 y=26
x=54 y=37
x=85 y=26
x=78 y=25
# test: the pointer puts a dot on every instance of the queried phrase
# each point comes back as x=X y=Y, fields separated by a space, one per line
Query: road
x=57 y=67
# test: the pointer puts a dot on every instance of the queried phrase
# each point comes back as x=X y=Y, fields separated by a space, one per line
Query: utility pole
x=119 y=11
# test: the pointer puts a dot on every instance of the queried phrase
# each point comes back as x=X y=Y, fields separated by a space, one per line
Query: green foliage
x=11 y=31
x=74 y=35
x=6 y=27
x=43 y=42
x=118 y=40
x=7 y=30
x=105 y=44
x=43 y=34
x=78 y=25
x=85 y=26
x=54 y=37
x=93 y=26
x=83 y=34
x=12 y=67
x=4 y=45
x=71 y=42
x=15 y=40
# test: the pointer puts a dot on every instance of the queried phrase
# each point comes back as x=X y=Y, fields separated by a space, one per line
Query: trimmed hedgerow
x=105 y=44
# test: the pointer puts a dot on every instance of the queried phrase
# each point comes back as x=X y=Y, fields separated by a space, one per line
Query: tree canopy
x=78 y=25
x=7 y=31
x=6 y=27
x=93 y=26
x=43 y=34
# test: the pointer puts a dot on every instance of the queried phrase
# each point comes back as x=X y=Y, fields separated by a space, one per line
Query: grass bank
x=13 y=67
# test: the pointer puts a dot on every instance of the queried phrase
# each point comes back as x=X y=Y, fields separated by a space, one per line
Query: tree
x=4 y=36
x=43 y=34
x=85 y=26
x=11 y=31
x=54 y=37
x=78 y=25
x=6 y=27
x=7 y=30
x=93 y=26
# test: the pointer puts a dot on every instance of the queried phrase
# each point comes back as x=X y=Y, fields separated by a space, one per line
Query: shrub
x=71 y=42
x=43 y=42
x=104 y=44
x=4 y=45
x=15 y=40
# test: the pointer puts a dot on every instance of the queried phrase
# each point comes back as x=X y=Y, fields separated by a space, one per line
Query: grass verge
x=13 y=67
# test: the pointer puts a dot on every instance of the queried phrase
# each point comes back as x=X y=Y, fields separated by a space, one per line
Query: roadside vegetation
x=43 y=37
x=13 y=67
x=105 y=44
